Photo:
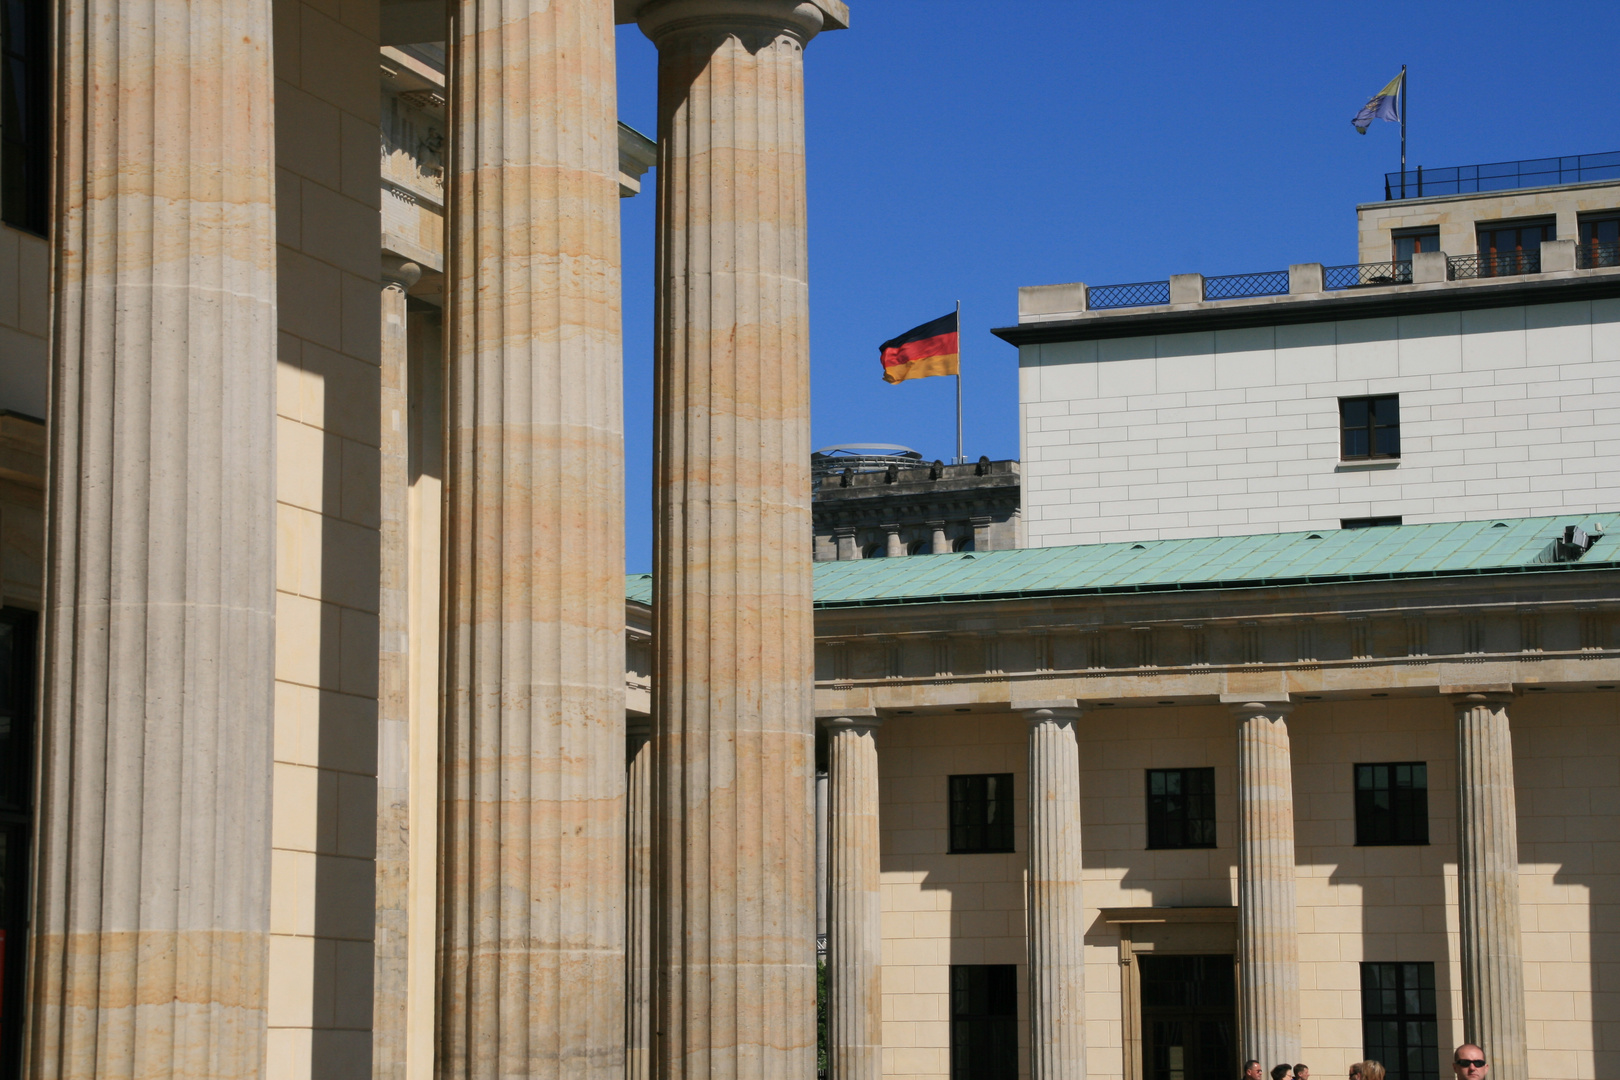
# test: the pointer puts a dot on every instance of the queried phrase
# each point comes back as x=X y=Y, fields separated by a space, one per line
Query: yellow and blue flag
x=1385 y=105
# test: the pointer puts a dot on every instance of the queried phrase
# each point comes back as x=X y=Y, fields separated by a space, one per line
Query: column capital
x=803 y=19
x=1059 y=709
x=857 y=720
x=1466 y=697
x=1244 y=706
x=399 y=272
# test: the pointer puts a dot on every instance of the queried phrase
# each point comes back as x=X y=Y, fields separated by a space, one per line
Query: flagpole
x=1403 y=130
x=959 y=458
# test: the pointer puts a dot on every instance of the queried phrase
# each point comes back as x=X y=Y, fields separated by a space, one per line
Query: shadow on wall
x=1405 y=894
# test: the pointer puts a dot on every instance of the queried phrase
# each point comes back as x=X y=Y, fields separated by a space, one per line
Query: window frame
x=1160 y=824
x=1402 y=1022
x=1419 y=233
x=998 y=837
x=999 y=1028
x=1370 y=428
x=1414 y=812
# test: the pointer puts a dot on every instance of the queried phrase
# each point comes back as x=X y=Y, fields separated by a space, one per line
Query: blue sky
x=959 y=149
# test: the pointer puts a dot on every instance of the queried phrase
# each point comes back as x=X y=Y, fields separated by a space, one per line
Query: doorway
x=1189 y=1018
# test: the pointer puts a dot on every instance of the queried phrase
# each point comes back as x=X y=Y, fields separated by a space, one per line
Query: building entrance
x=1189 y=1018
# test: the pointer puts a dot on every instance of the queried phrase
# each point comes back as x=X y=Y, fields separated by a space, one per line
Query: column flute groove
x=638 y=901
x=855 y=903
x=1488 y=884
x=1268 y=918
x=150 y=935
x=734 y=909
x=532 y=915
x=1057 y=915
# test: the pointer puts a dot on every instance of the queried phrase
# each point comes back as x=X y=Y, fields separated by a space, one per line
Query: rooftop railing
x=1497 y=264
x=1232 y=286
x=1590 y=255
x=1501 y=176
x=1136 y=294
x=1361 y=275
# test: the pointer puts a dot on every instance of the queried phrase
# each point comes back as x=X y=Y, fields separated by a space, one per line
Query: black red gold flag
x=929 y=349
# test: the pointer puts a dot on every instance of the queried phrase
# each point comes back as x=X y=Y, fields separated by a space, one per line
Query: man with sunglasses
x=1469 y=1062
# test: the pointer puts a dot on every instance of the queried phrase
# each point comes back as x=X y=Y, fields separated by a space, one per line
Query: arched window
x=874 y=551
x=922 y=547
x=963 y=544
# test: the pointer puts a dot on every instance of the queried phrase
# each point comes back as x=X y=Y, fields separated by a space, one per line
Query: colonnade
x=151 y=942
x=1268 y=953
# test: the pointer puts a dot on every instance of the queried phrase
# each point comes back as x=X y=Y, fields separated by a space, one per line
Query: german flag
x=930 y=349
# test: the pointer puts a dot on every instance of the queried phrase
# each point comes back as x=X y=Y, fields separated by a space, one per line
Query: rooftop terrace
x=1272 y=560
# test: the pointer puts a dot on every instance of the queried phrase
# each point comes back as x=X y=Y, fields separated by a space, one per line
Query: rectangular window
x=984 y=1022
x=17 y=636
x=25 y=92
x=1181 y=808
x=1599 y=240
x=1398 y=1025
x=1409 y=241
x=1369 y=427
x=1369 y=522
x=1392 y=804
x=1512 y=248
x=981 y=813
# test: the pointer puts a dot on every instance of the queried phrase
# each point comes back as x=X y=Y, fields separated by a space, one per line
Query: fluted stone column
x=734 y=762
x=1488 y=884
x=150 y=931
x=1057 y=914
x=1268 y=920
x=531 y=960
x=389 y=993
x=638 y=900
x=855 y=902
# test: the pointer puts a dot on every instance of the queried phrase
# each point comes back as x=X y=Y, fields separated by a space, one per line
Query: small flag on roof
x=929 y=349
x=1384 y=105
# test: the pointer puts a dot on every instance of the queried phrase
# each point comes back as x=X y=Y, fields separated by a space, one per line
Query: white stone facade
x=1509 y=411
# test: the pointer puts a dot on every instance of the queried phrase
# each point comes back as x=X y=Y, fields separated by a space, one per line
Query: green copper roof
x=1449 y=549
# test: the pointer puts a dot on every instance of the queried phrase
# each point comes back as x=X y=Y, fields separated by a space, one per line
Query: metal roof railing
x=1135 y=294
x=1359 y=275
x=1501 y=176
x=1232 y=286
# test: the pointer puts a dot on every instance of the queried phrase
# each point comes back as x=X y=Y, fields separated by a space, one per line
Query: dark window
x=1189 y=1005
x=1398 y=1024
x=1512 y=249
x=874 y=551
x=1392 y=804
x=981 y=813
x=25 y=137
x=1181 y=808
x=1414 y=240
x=17 y=631
x=922 y=547
x=1369 y=427
x=1600 y=240
x=984 y=1022
x=1369 y=523
x=964 y=544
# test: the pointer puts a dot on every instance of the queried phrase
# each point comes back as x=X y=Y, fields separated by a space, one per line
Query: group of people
x=1468 y=1063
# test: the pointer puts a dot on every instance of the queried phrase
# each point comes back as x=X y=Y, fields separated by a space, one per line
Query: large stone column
x=855 y=902
x=531 y=958
x=1057 y=914
x=389 y=1035
x=1488 y=884
x=733 y=892
x=150 y=931
x=1268 y=920
x=638 y=901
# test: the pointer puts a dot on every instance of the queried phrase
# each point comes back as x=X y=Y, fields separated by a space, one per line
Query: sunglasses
x=1470 y=1063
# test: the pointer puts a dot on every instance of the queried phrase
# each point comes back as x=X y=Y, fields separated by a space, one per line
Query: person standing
x=1302 y=1072
x=1251 y=1070
x=1372 y=1070
x=1469 y=1062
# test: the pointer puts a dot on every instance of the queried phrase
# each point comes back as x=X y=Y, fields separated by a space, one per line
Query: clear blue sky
x=958 y=150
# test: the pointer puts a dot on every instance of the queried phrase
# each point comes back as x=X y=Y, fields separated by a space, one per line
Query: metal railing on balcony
x=1232 y=286
x=1136 y=294
x=1500 y=264
x=1591 y=255
x=1502 y=176
x=1361 y=275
